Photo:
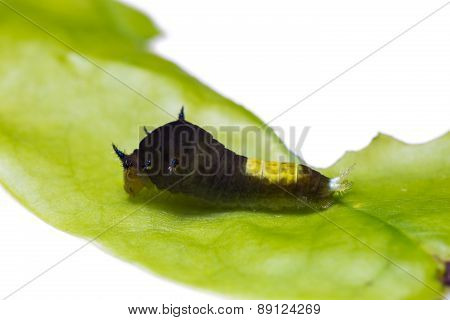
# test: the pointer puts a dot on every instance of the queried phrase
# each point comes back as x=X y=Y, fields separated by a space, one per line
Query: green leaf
x=62 y=105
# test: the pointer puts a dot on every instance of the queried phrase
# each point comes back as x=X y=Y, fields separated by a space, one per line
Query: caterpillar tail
x=340 y=185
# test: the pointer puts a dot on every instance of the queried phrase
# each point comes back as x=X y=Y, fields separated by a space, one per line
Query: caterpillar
x=183 y=158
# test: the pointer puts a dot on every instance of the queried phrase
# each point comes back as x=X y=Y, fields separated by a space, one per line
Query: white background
x=266 y=56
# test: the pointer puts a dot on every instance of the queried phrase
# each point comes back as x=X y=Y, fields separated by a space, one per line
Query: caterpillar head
x=132 y=182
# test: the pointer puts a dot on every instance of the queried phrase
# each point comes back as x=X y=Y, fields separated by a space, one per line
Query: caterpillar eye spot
x=173 y=165
x=147 y=164
x=218 y=175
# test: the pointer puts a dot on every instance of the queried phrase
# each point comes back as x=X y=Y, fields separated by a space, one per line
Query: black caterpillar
x=183 y=158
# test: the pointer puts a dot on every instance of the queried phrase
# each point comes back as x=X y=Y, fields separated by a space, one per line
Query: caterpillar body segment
x=302 y=179
x=183 y=158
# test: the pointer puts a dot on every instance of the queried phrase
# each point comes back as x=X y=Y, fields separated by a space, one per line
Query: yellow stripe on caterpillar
x=283 y=173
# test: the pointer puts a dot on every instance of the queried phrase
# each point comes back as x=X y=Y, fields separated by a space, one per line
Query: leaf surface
x=75 y=76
